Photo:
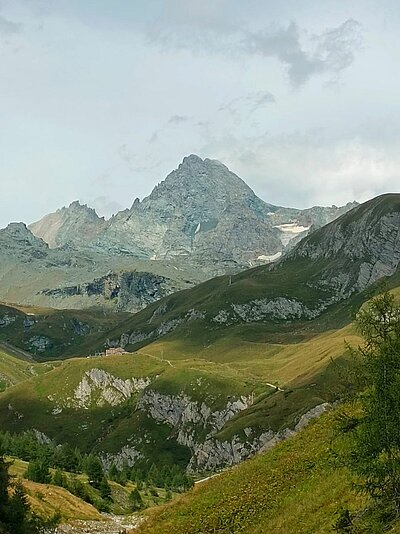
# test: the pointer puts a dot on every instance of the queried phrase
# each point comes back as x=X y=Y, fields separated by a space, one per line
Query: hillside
x=169 y=403
x=219 y=371
x=202 y=220
x=31 y=273
x=326 y=272
x=295 y=488
x=45 y=333
x=14 y=370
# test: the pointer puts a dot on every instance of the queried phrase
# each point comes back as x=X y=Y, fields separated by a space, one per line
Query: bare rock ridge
x=73 y=225
x=202 y=213
x=201 y=221
x=362 y=246
x=327 y=267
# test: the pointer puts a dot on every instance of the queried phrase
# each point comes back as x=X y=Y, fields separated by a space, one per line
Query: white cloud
x=107 y=98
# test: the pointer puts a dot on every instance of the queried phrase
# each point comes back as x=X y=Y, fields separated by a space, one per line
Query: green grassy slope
x=63 y=332
x=326 y=282
x=295 y=488
x=15 y=370
x=220 y=372
x=47 y=499
x=48 y=403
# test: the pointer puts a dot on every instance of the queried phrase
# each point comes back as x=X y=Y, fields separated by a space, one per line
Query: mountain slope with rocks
x=32 y=273
x=334 y=263
x=202 y=220
x=201 y=213
x=215 y=373
x=74 y=225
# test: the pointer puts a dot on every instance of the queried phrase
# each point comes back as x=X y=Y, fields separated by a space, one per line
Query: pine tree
x=113 y=472
x=59 y=478
x=135 y=500
x=38 y=471
x=376 y=452
x=15 y=513
x=94 y=470
x=18 y=509
x=105 y=489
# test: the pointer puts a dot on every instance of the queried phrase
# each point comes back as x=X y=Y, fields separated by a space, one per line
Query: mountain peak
x=75 y=223
x=19 y=234
x=192 y=158
x=78 y=207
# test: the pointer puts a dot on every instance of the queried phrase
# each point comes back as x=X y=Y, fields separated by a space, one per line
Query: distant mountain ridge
x=201 y=221
x=202 y=213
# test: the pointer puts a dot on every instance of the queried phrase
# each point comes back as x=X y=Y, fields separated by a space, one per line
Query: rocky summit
x=202 y=220
x=201 y=213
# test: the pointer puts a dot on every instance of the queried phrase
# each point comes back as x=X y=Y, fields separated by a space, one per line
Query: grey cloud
x=178 y=119
x=249 y=103
x=350 y=167
x=302 y=54
x=332 y=52
x=8 y=27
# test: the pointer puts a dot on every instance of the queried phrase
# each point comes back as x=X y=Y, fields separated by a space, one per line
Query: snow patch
x=292 y=228
x=269 y=259
x=289 y=231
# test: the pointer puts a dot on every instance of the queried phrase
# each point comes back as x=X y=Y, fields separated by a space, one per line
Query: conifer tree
x=105 y=489
x=376 y=452
x=38 y=471
x=135 y=500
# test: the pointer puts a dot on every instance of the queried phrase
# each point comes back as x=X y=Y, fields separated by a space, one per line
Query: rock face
x=362 y=247
x=131 y=291
x=16 y=238
x=68 y=226
x=202 y=220
x=330 y=265
x=100 y=388
x=214 y=454
x=65 y=277
x=202 y=213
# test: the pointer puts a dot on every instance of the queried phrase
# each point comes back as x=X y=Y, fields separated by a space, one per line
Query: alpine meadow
x=199 y=267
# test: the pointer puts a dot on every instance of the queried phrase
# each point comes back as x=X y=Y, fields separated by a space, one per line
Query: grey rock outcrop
x=100 y=388
x=74 y=225
x=131 y=291
x=363 y=246
x=202 y=213
x=213 y=453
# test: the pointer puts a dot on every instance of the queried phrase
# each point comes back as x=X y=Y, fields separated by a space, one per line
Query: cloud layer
x=99 y=101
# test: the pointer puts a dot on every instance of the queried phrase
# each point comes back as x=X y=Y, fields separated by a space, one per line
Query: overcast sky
x=101 y=99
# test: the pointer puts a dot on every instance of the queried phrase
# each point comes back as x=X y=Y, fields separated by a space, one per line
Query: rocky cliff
x=74 y=225
x=202 y=214
x=329 y=266
x=158 y=410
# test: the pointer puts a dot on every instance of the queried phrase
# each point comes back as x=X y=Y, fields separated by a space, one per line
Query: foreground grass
x=295 y=488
